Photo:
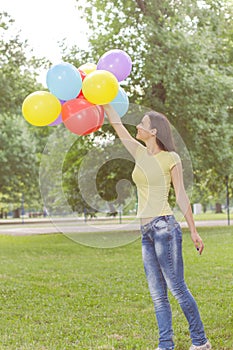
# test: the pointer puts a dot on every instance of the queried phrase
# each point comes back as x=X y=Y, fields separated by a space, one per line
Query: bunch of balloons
x=76 y=95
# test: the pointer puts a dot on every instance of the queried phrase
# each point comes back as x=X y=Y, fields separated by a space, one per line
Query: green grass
x=212 y=216
x=56 y=294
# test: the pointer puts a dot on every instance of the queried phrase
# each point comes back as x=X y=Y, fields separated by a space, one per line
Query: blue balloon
x=64 y=81
x=121 y=102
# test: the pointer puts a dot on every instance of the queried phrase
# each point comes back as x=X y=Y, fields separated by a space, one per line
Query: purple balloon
x=118 y=62
x=59 y=118
x=57 y=121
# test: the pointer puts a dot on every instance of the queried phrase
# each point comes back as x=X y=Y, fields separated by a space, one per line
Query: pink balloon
x=118 y=62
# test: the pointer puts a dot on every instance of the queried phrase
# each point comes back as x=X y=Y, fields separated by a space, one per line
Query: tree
x=92 y=174
x=20 y=143
x=210 y=189
x=18 y=162
x=18 y=68
x=182 y=66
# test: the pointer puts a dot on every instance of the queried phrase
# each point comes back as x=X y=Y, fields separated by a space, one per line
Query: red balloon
x=83 y=76
x=101 y=118
x=82 y=117
x=80 y=95
x=82 y=73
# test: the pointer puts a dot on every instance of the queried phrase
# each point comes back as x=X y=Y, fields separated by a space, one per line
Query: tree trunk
x=16 y=213
x=218 y=208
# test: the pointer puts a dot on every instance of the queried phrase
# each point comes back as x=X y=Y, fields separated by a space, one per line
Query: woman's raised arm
x=128 y=141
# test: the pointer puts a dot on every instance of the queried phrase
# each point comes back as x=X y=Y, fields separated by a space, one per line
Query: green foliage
x=71 y=167
x=182 y=66
x=182 y=57
x=210 y=188
x=18 y=73
x=112 y=172
x=93 y=159
x=18 y=161
x=20 y=143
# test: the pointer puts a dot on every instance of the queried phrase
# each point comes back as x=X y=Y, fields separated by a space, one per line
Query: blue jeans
x=163 y=264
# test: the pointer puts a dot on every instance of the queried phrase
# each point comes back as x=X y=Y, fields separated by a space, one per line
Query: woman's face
x=144 y=130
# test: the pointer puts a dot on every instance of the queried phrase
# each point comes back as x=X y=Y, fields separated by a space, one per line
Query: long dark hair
x=164 y=136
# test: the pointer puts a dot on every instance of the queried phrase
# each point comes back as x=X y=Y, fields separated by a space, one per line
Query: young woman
x=156 y=166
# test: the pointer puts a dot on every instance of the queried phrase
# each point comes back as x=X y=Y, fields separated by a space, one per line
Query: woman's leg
x=168 y=248
x=158 y=291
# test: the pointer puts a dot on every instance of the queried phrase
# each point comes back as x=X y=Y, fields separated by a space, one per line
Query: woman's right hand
x=108 y=109
x=112 y=115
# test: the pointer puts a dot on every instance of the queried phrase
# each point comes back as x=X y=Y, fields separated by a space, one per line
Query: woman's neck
x=152 y=147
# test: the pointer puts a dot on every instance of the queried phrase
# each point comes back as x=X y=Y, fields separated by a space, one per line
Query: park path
x=17 y=228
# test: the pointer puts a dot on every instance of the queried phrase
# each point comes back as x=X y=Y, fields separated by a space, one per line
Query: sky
x=45 y=22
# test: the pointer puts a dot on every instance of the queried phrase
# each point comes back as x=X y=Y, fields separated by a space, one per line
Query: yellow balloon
x=41 y=108
x=100 y=87
x=88 y=68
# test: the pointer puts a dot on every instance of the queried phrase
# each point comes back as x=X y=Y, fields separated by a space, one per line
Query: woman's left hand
x=197 y=242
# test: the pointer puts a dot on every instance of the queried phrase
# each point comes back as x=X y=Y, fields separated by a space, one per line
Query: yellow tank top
x=152 y=176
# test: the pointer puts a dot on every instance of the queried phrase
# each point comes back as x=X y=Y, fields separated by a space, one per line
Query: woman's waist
x=148 y=220
x=147 y=211
x=146 y=225
x=145 y=221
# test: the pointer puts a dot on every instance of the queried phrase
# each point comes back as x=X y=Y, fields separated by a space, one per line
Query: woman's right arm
x=128 y=141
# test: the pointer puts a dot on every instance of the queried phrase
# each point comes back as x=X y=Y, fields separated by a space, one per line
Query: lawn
x=59 y=295
x=212 y=216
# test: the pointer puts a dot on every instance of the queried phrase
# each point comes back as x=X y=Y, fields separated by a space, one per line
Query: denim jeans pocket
x=161 y=226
